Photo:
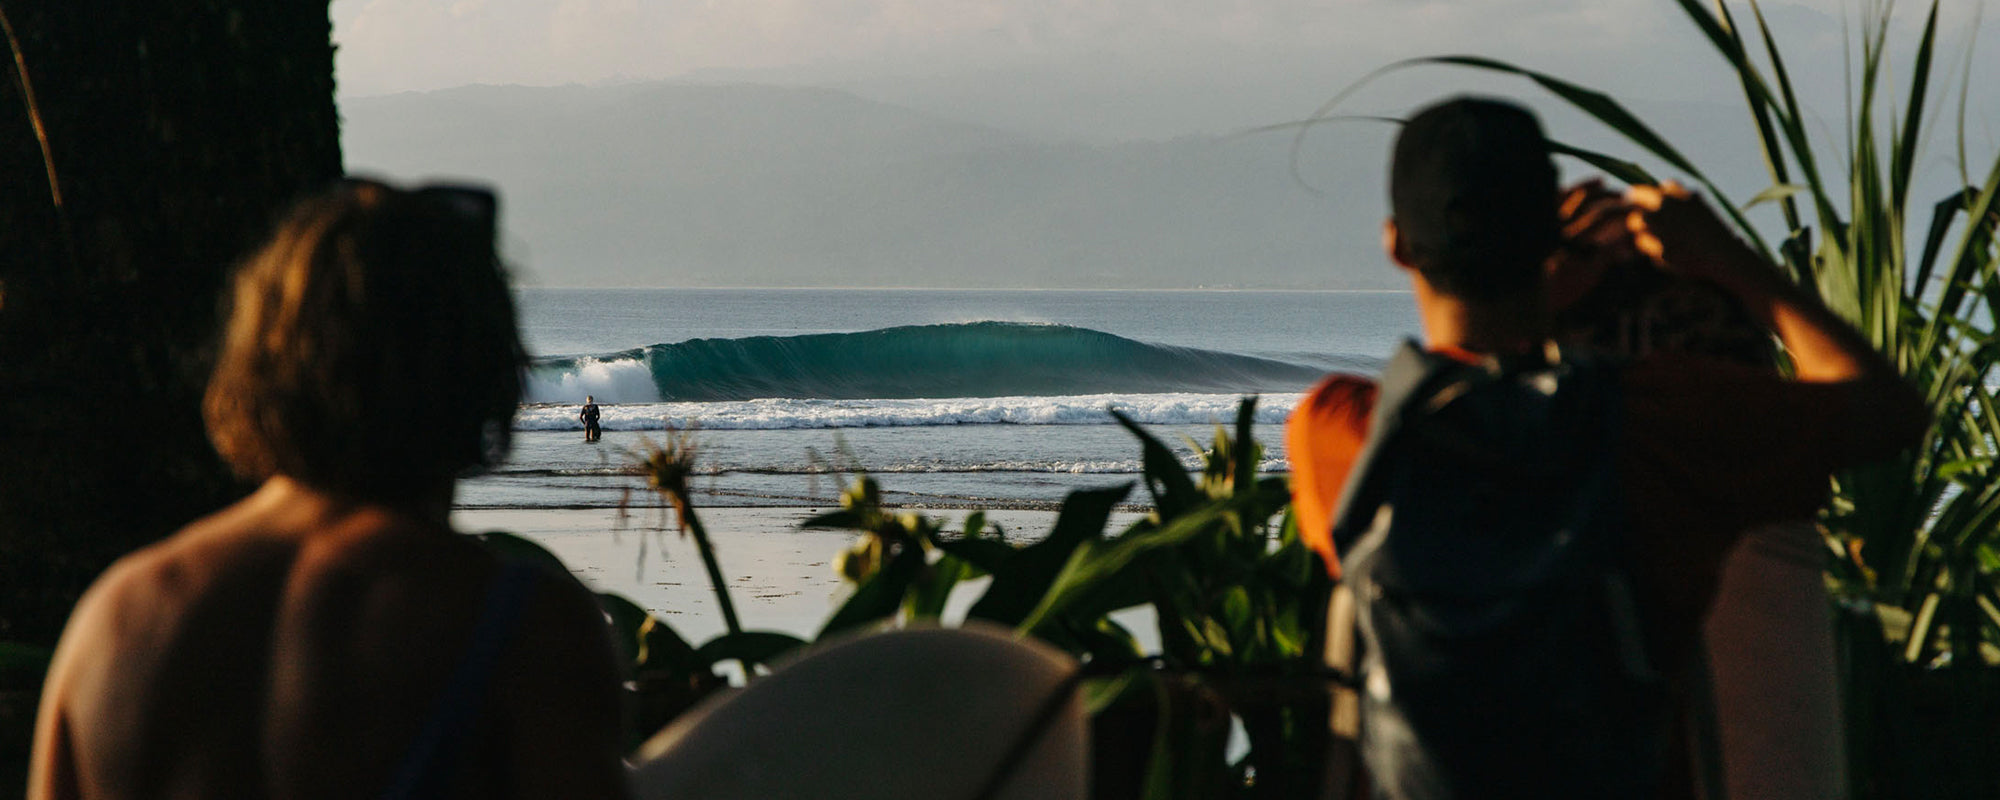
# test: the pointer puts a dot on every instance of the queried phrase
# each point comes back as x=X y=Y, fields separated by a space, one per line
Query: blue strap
x=427 y=768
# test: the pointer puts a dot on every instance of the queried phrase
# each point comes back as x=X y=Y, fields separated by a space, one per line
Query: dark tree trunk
x=177 y=130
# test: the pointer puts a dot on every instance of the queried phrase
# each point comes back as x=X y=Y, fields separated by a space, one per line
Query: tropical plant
x=667 y=675
x=1914 y=542
x=1238 y=599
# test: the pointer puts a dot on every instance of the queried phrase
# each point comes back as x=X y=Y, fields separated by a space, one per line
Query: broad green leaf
x=1097 y=563
x=1020 y=582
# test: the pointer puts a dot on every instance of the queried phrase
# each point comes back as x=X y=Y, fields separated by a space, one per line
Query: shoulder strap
x=427 y=766
x=1410 y=373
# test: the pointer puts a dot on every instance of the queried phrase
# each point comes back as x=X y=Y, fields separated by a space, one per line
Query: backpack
x=1500 y=653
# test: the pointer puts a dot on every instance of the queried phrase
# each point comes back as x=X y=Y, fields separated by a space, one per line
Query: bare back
x=291 y=646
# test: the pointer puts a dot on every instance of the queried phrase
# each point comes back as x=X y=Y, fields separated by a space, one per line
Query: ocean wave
x=959 y=360
x=793 y=414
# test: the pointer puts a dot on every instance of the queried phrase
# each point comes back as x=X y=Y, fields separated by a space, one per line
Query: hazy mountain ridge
x=669 y=184
x=674 y=184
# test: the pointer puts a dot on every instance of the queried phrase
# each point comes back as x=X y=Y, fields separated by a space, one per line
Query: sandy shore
x=780 y=577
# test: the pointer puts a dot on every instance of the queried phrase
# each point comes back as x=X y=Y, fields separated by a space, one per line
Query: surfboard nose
x=921 y=712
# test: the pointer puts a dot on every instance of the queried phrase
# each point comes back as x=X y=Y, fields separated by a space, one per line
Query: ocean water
x=950 y=398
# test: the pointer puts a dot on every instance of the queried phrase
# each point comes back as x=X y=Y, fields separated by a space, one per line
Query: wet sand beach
x=781 y=578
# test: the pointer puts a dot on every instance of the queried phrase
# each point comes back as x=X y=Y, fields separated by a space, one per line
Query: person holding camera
x=1699 y=449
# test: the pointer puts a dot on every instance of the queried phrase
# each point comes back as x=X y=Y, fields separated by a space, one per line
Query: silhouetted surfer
x=588 y=415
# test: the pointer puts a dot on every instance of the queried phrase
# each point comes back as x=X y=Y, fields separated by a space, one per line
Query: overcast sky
x=1092 y=75
x=1094 y=68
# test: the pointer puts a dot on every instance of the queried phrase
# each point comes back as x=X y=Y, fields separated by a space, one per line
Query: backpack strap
x=1411 y=373
x=426 y=769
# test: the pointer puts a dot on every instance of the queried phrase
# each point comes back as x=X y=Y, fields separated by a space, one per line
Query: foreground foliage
x=1237 y=598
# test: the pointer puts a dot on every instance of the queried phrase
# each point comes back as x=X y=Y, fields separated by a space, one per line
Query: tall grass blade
x=1906 y=148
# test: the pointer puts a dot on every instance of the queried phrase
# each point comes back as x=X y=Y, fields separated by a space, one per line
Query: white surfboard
x=926 y=712
x=1773 y=675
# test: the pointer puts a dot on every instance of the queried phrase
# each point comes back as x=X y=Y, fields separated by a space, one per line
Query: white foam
x=791 y=414
x=615 y=380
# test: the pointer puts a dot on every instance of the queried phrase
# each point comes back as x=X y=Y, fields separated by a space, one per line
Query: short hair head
x=371 y=346
x=1473 y=194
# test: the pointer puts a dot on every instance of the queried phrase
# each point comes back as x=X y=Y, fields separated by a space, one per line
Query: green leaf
x=662 y=648
x=878 y=598
x=1246 y=453
x=1921 y=629
x=1627 y=171
x=1019 y=583
x=988 y=555
x=1100 y=693
x=927 y=596
x=1988 y=559
x=1239 y=616
x=1217 y=638
x=749 y=647
x=1166 y=477
x=627 y=620
x=1160 y=767
x=1773 y=194
x=1093 y=566
x=1290 y=566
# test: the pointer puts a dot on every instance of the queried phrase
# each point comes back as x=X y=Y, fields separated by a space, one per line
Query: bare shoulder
x=145 y=593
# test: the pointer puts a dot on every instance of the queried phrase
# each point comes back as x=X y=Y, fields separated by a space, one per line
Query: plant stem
x=701 y=543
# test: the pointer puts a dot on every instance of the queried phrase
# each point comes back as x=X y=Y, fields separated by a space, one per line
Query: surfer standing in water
x=589 y=416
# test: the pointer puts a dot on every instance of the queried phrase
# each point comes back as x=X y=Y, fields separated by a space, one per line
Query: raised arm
x=1683 y=235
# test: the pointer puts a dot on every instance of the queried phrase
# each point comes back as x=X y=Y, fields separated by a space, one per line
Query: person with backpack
x=1531 y=533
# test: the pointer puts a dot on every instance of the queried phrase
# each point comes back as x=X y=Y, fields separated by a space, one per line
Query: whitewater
x=952 y=398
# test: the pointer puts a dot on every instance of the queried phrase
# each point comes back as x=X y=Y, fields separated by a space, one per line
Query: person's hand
x=1595 y=238
x=1678 y=231
x=1593 y=219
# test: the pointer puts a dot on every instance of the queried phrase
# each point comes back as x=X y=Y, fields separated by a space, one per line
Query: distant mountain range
x=679 y=184
x=667 y=184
